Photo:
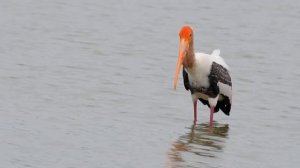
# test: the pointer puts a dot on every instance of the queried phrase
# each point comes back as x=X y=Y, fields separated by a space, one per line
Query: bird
x=206 y=76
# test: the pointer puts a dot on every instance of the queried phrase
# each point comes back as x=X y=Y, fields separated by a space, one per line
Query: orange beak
x=181 y=56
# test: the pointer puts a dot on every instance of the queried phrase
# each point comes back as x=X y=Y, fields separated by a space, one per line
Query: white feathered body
x=198 y=75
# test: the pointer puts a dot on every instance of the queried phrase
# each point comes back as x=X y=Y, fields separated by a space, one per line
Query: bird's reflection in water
x=201 y=145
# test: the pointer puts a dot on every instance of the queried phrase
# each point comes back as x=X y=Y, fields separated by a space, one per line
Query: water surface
x=89 y=84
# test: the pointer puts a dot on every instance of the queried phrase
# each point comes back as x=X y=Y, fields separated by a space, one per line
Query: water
x=89 y=84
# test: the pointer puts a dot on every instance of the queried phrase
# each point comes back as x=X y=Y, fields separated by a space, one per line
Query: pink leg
x=212 y=110
x=195 y=112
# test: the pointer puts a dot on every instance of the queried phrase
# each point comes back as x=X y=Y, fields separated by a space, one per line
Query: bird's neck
x=190 y=57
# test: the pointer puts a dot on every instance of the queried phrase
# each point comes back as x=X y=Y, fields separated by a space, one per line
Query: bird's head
x=186 y=39
x=186 y=34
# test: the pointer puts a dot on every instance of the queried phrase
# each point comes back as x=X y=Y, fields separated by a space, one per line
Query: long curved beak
x=182 y=53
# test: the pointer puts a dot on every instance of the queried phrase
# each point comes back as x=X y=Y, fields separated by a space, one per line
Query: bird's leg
x=212 y=103
x=212 y=110
x=195 y=111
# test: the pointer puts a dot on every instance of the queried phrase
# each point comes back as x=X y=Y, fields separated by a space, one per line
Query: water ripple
x=200 y=144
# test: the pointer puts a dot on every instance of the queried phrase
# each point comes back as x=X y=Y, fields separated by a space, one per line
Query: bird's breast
x=198 y=73
x=198 y=78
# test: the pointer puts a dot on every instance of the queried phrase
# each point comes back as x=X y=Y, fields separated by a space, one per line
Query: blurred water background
x=88 y=83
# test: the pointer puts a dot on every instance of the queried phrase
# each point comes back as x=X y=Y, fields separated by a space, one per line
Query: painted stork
x=205 y=75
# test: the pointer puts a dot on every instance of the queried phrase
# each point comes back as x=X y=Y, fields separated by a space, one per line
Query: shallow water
x=89 y=84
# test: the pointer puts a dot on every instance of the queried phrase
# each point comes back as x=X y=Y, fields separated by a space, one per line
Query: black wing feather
x=185 y=79
x=220 y=74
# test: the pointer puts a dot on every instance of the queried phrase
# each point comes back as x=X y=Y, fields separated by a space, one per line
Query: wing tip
x=216 y=52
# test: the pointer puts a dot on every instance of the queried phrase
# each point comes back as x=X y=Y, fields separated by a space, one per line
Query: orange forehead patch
x=186 y=32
